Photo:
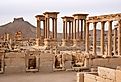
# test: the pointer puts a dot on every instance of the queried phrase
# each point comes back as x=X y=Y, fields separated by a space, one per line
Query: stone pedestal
x=64 y=42
x=38 y=42
x=53 y=42
x=46 y=42
x=75 y=42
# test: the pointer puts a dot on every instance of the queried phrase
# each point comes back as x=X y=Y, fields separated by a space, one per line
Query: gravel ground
x=39 y=77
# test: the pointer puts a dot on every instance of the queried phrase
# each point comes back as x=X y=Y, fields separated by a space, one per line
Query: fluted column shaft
x=119 y=38
x=81 y=29
x=94 y=38
x=78 y=29
x=44 y=29
x=55 y=30
x=87 y=37
x=70 y=30
x=102 y=37
x=115 y=37
x=84 y=29
x=64 y=30
x=72 y=33
x=109 y=38
x=74 y=29
x=38 y=29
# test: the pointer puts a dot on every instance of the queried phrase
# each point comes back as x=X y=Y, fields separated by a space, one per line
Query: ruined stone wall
x=15 y=62
x=105 y=62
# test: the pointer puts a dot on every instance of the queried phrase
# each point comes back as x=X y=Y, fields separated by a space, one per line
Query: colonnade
x=110 y=41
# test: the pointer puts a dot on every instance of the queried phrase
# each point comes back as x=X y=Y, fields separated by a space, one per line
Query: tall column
x=44 y=29
x=119 y=38
x=84 y=29
x=53 y=28
x=102 y=37
x=74 y=29
x=64 y=30
x=109 y=38
x=55 y=34
x=81 y=29
x=38 y=29
x=48 y=27
x=94 y=38
x=78 y=29
x=115 y=40
x=70 y=30
x=87 y=37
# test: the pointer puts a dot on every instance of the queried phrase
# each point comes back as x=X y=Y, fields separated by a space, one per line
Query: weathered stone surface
x=118 y=75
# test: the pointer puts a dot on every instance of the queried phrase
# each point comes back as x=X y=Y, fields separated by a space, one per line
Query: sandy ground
x=39 y=77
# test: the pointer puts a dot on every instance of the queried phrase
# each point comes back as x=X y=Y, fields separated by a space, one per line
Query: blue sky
x=27 y=9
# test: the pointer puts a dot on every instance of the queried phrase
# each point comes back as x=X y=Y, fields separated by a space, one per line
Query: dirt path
x=39 y=77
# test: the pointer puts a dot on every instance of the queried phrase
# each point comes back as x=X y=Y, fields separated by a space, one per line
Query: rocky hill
x=27 y=29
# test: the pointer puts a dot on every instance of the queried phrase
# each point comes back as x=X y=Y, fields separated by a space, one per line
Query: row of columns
x=47 y=29
x=102 y=38
x=73 y=32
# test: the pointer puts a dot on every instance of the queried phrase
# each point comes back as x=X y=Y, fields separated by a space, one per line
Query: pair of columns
x=65 y=30
x=46 y=28
x=102 y=38
x=54 y=28
x=77 y=28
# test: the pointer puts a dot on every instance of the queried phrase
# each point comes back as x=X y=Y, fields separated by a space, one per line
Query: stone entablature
x=110 y=17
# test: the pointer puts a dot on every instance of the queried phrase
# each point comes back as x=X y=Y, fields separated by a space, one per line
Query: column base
x=37 y=42
x=75 y=42
x=64 y=42
x=106 y=56
x=53 y=42
x=47 y=42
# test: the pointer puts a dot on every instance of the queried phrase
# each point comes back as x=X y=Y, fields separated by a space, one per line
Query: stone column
x=38 y=29
x=81 y=29
x=94 y=39
x=119 y=38
x=115 y=40
x=74 y=29
x=78 y=29
x=70 y=30
x=55 y=30
x=44 y=29
x=84 y=30
x=87 y=38
x=110 y=38
x=64 y=30
x=102 y=37
x=48 y=28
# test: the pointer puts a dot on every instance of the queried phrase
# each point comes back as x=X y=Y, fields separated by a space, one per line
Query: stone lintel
x=51 y=14
x=80 y=16
x=111 y=17
x=67 y=18
x=40 y=17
